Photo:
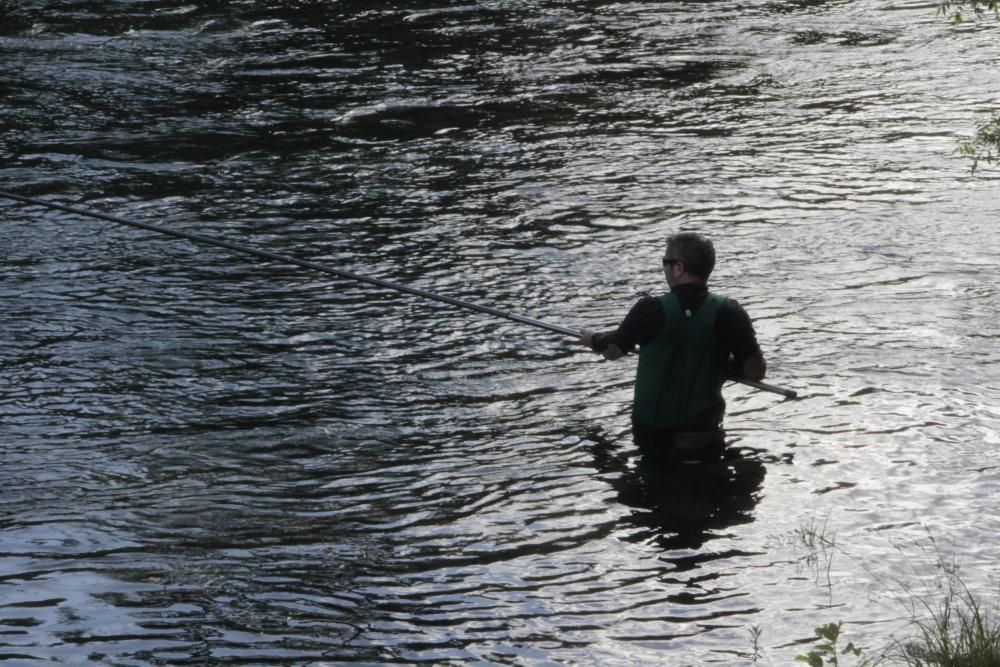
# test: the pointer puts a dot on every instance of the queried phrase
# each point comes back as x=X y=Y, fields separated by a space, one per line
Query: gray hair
x=695 y=250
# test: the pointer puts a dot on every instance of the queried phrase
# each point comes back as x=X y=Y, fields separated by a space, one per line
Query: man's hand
x=611 y=352
x=755 y=368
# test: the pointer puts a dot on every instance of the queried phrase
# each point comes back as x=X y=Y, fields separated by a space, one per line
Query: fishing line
x=240 y=248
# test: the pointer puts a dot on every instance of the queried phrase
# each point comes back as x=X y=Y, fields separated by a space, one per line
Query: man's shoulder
x=732 y=315
x=727 y=302
x=647 y=301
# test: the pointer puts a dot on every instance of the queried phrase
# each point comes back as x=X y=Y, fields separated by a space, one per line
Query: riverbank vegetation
x=949 y=625
x=953 y=9
x=956 y=632
x=984 y=145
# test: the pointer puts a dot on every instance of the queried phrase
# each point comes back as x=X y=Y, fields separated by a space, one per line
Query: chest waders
x=678 y=384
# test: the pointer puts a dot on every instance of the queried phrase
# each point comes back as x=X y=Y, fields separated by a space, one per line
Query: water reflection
x=680 y=497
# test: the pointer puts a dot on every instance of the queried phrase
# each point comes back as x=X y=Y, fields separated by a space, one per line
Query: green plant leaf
x=814 y=659
x=830 y=631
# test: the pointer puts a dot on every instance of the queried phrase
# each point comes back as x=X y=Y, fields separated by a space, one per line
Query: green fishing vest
x=678 y=384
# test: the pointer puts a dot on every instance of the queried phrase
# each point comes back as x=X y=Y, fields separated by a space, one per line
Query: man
x=689 y=341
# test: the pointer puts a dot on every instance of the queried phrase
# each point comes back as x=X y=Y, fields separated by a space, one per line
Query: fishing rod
x=249 y=250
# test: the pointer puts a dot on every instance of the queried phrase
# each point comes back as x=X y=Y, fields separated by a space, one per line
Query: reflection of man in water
x=689 y=340
x=679 y=502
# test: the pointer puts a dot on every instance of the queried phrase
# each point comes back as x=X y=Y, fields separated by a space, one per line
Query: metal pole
x=237 y=247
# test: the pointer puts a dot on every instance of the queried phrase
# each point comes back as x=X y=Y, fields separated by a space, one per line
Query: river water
x=211 y=459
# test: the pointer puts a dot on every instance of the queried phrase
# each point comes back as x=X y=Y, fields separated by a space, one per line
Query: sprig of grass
x=755 y=635
x=978 y=7
x=826 y=652
x=984 y=145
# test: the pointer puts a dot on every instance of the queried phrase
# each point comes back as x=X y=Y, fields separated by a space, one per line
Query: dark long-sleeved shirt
x=733 y=329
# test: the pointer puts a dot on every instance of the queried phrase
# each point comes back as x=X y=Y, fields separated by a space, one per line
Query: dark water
x=212 y=459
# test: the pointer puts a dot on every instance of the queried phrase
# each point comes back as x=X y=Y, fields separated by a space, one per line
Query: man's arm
x=737 y=329
x=640 y=325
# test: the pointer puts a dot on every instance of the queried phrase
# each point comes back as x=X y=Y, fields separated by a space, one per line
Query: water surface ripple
x=211 y=459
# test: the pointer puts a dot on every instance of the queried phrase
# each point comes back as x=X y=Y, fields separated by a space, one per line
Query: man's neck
x=683 y=282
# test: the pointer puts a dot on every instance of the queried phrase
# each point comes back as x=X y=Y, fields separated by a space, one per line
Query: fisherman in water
x=689 y=340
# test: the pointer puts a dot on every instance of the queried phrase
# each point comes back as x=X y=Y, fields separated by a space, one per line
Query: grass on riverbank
x=957 y=632
x=951 y=627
